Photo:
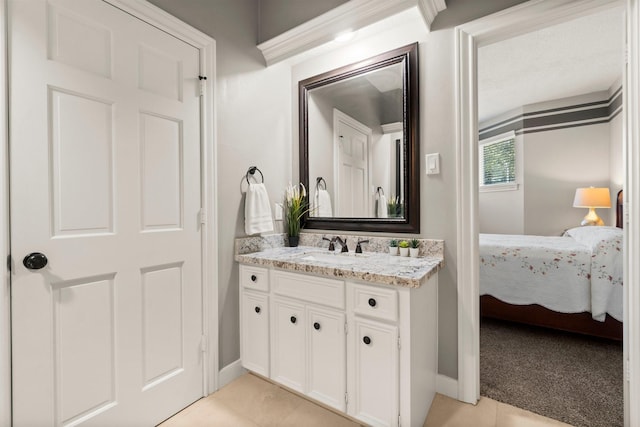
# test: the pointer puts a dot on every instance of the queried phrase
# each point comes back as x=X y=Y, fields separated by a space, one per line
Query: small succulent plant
x=414 y=243
x=393 y=243
x=403 y=244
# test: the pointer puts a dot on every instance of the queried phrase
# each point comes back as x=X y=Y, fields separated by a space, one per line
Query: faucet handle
x=331 y=243
x=358 y=247
x=343 y=244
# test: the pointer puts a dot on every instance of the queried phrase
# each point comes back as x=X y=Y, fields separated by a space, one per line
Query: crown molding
x=351 y=15
x=429 y=9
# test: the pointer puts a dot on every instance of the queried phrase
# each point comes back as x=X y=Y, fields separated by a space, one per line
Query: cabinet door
x=373 y=372
x=288 y=343
x=254 y=344
x=326 y=356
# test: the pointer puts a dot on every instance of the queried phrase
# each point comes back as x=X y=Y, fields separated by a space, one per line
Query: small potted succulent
x=404 y=248
x=393 y=247
x=414 y=248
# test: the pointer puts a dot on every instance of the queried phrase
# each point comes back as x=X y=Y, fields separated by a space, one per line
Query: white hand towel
x=257 y=210
x=382 y=206
x=323 y=204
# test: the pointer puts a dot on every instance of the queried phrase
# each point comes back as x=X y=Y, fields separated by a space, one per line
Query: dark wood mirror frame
x=411 y=221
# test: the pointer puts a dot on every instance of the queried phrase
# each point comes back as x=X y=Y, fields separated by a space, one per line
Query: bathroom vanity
x=355 y=332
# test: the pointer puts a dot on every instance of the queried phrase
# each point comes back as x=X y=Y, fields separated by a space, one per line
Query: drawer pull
x=258 y=309
x=293 y=319
x=316 y=326
x=366 y=340
x=254 y=278
x=372 y=302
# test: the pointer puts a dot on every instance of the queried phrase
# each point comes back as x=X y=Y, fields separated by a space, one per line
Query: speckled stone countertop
x=376 y=267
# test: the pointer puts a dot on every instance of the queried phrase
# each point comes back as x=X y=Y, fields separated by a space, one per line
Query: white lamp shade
x=592 y=198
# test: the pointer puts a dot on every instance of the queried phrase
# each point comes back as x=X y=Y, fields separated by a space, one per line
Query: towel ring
x=252 y=170
x=321 y=180
x=380 y=190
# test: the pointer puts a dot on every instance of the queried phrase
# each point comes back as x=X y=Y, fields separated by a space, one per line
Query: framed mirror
x=359 y=145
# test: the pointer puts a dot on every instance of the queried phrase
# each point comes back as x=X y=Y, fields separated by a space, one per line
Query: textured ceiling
x=577 y=57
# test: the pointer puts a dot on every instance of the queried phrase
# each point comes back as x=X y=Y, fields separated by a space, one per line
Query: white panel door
x=352 y=166
x=254 y=332
x=105 y=181
x=326 y=356
x=288 y=343
x=373 y=371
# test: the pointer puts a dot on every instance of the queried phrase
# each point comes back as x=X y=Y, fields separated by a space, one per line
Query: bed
x=571 y=283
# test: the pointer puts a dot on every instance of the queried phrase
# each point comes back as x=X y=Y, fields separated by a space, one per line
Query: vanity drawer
x=254 y=278
x=373 y=301
x=318 y=290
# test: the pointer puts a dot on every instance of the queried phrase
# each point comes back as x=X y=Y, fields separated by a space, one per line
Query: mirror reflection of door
x=352 y=142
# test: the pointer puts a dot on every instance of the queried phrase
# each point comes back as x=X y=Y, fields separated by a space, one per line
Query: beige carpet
x=567 y=377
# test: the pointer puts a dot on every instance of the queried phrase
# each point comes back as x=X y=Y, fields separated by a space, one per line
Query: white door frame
x=207 y=47
x=632 y=217
x=504 y=24
x=5 y=288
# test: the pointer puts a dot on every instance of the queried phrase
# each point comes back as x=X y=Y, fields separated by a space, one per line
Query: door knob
x=35 y=261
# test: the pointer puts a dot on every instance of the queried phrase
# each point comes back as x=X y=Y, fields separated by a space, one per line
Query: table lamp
x=592 y=198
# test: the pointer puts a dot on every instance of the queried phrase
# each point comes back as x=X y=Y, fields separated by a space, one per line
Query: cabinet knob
x=316 y=326
x=372 y=302
x=366 y=340
x=254 y=278
x=258 y=309
x=293 y=319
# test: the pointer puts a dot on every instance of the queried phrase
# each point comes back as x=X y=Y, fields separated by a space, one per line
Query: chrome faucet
x=345 y=248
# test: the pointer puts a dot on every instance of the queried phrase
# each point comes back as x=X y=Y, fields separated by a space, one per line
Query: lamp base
x=592 y=218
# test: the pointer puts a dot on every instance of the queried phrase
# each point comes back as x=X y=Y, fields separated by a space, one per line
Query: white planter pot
x=393 y=250
x=404 y=251
x=414 y=252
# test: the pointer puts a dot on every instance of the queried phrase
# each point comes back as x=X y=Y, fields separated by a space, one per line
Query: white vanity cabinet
x=254 y=319
x=308 y=336
x=365 y=349
x=392 y=352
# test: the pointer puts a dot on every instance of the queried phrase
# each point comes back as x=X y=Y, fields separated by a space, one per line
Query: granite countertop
x=376 y=267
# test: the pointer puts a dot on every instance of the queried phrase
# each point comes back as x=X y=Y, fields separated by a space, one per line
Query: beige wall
x=253 y=115
x=278 y=16
x=556 y=163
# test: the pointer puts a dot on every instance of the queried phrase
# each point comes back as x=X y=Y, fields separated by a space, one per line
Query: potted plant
x=404 y=248
x=296 y=206
x=414 y=248
x=392 y=207
x=393 y=247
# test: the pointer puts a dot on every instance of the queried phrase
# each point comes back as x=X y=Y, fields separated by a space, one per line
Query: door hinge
x=203 y=85
x=627 y=371
x=346 y=328
x=346 y=398
x=399 y=342
x=9 y=263
x=202 y=217
x=204 y=343
x=399 y=421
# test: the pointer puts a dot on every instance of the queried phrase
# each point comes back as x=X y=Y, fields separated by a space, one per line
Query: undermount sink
x=332 y=258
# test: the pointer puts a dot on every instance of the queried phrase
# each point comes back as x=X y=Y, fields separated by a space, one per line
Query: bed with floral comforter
x=578 y=272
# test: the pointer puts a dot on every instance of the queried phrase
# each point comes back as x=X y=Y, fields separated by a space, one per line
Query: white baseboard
x=447 y=386
x=230 y=372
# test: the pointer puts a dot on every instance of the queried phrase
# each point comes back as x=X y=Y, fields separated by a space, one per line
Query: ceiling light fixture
x=345 y=37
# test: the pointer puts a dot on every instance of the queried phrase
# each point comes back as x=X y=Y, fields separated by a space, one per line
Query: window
x=498 y=162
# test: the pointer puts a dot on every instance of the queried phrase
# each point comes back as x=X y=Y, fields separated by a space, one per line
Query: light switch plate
x=432 y=163
x=278 y=211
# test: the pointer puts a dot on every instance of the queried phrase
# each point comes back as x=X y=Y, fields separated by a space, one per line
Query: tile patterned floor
x=250 y=401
